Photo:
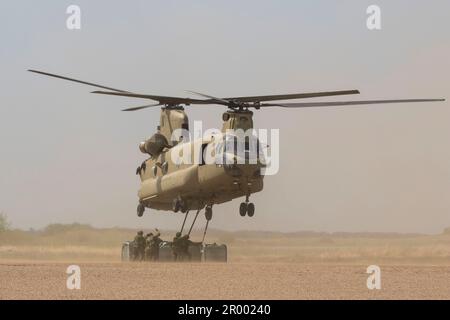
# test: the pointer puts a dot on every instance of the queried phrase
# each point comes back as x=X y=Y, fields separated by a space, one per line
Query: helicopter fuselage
x=198 y=183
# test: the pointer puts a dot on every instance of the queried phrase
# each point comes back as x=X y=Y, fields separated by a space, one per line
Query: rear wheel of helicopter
x=176 y=205
x=140 y=210
x=183 y=206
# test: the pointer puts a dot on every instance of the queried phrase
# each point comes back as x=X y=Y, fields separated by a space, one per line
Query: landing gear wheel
x=183 y=206
x=140 y=209
x=243 y=209
x=176 y=205
x=250 y=209
x=208 y=213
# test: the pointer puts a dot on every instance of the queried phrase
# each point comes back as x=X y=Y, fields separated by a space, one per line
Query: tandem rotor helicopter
x=182 y=187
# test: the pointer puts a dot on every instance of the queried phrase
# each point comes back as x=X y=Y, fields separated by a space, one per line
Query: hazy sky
x=68 y=155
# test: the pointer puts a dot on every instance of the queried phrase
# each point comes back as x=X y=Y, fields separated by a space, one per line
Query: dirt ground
x=261 y=265
x=115 y=280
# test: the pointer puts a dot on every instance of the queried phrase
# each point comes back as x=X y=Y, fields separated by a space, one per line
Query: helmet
x=178 y=234
x=141 y=232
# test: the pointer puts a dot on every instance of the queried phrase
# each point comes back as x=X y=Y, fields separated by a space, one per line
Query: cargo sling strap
x=192 y=225
x=184 y=221
x=206 y=228
x=193 y=222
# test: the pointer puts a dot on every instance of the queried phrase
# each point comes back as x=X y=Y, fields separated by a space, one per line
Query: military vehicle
x=180 y=187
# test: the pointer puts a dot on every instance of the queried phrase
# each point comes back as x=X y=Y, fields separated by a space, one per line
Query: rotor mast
x=234 y=119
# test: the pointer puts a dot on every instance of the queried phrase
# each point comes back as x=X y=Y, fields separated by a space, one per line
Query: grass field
x=84 y=243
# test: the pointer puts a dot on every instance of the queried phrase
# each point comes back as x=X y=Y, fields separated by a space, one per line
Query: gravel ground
x=30 y=280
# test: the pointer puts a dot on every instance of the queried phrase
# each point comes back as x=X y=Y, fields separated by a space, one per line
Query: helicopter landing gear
x=247 y=208
x=179 y=205
x=208 y=212
x=140 y=210
x=250 y=209
x=243 y=209
x=176 y=206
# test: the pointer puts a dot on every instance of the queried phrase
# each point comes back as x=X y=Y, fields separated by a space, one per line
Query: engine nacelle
x=154 y=145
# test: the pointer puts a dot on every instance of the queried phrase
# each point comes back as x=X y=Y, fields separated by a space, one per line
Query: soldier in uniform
x=180 y=247
x=176 y=250
x=184 y=243
x=148 y=249
x=154 y=246
x=139 y=242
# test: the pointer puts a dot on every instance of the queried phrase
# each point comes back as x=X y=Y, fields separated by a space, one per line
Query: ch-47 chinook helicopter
x=182 y=187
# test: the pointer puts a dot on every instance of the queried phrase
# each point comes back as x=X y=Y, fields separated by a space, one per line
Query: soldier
x=154 y=246
x=133 y=251
x=184 y=243
x=139 y=242
x=148 y=249
x=181 y=246
x=176 y=246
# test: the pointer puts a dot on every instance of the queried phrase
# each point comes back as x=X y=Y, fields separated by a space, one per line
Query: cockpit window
x=242 y=150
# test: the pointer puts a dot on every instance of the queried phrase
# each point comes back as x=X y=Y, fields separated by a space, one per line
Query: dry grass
x=84 y=243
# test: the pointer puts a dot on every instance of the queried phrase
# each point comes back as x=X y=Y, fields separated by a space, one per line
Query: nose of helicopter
x=248 y=177
x=245 y=170
x=250 y=170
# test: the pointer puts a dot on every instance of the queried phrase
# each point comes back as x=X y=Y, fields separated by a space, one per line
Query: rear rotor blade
x=161 y=99
x=344 y=103
x=75 y=80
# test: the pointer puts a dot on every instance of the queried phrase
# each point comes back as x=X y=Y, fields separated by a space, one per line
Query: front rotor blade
x=344 y=103
x=75 y=80
x=292 y=96
x=141 y=107
x=226 y=102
